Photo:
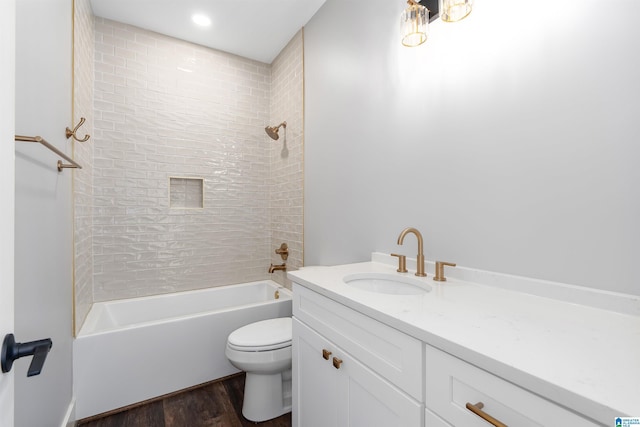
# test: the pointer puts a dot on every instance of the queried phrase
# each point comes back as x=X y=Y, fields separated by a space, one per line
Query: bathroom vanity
x=352 y=367
x=373 y=347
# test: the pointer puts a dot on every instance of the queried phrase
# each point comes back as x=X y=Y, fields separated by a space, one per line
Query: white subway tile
x=164 y=122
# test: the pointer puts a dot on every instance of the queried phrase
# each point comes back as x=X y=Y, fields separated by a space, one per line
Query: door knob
x=12 y=350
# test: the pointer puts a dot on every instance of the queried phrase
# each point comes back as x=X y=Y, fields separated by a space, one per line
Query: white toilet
x=263 y=350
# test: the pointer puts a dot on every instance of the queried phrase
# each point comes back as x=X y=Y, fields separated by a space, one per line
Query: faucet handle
x=439 y=277
x=402 y=263
x=283 y=251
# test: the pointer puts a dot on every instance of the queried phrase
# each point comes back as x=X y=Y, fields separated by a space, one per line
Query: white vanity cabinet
x=350 y=370
x=419 y=359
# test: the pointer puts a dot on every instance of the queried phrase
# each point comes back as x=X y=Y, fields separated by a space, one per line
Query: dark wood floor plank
x=216 y=404
x=148 y=415
x=235 y=390
x=203 y=407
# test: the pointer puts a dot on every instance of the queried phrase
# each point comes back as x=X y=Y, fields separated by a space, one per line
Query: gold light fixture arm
x=72 y=133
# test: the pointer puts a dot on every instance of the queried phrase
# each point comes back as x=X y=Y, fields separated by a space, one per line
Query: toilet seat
x=266 y=335
x=259 y=348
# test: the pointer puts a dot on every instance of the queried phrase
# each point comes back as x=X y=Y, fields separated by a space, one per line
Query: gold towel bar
x=42 y=141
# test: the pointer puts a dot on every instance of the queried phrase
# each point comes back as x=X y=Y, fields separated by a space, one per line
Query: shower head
x=272 y=131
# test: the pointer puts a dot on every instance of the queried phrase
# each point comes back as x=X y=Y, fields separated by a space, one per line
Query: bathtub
x=132 y=350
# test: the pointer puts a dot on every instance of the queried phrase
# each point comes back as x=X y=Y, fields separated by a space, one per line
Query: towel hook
x=72 y=133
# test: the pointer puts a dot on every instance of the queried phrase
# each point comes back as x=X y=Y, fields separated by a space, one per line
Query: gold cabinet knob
x=325 y=354
x=439 y=277
x=337 y=363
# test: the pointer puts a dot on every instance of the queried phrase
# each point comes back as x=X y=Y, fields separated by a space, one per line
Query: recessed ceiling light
x=200 y=19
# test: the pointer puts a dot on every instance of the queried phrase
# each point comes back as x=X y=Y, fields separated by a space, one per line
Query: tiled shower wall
x=286 y=155
x=166 y=108
x=83 y=52
x=169 y=109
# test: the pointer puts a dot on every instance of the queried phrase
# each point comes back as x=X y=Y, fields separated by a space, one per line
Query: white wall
x=7 y=190
x=509 y=139
x=43 y=228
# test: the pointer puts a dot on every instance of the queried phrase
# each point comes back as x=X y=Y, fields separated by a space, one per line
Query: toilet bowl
x=263 y=350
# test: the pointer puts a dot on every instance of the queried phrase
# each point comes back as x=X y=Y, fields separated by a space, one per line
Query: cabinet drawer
x=392 y=354
x=452 y=383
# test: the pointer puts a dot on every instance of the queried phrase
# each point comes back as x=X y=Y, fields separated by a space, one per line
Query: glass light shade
x=414 y=25
x=455 y=10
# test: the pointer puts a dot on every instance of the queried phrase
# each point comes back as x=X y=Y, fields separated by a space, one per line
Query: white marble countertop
x=583 y=357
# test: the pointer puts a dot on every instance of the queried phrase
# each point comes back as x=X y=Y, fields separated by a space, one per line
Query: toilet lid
x=270 y=334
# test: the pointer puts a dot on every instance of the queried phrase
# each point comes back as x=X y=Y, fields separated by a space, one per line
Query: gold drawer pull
x=326 y=354
x=337 y=362
x=477 y=409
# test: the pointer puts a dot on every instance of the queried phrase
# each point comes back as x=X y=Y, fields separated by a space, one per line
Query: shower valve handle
x=283 y=251
x=12 y=350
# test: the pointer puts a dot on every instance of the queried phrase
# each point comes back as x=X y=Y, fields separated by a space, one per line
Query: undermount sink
x=387 y=283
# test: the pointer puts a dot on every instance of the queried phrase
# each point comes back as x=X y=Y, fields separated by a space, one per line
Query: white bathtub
x=132 y=350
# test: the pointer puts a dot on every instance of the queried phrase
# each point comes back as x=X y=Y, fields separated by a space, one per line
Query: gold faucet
x=420 y=259
x=282 y=267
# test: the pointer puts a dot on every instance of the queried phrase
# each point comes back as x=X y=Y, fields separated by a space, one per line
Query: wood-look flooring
x=214 y=404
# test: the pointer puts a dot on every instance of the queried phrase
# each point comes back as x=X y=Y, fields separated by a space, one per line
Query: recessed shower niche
x=186 y=193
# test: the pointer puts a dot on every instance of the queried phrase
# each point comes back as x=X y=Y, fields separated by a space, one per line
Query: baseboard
x=69 y=419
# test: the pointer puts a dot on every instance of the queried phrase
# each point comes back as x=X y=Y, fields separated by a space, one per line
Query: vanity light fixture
x=201 y=20
x=455 y=10
x=414 y=24
x=414 y=21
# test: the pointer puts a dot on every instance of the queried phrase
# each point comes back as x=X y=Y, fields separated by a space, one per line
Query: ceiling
x=256 y=29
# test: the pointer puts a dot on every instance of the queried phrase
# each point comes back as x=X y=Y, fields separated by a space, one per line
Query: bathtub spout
x=282 y=267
